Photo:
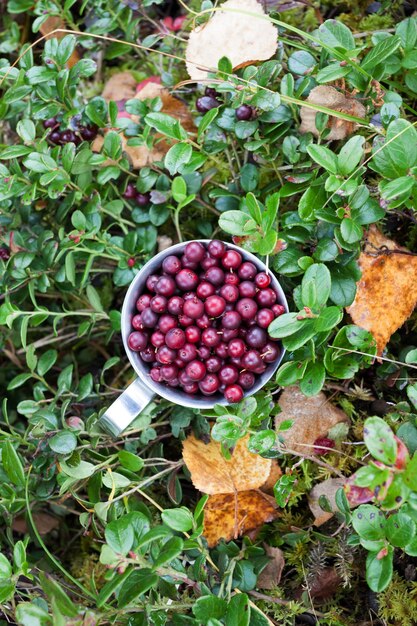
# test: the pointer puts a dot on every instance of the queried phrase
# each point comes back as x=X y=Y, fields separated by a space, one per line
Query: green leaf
x=350 y=155
x=238 y=611
x=94 y=298
x=285 y=325
x=139 y=581
x=209 y=607
x=12 y=465
x=379 y=570
x=380 y=52
x=313 y=379
x=324 y=157
x=30 y=614
x=96 y=110
x=380 y=441
x=328 y=318
x=179 y=519
x=130 y=461
x=397 y=188
x=46 y=361
x=64 y=442
x=262 y=441
x=399 y=152
x=119 y=535
x=169 y=551
x=26 y=130
x=178 y=155
x=249 y=177
x=54 y=592
x=5 y=568
x=335 y=34
x=369 y=522
x=350 y=230
x=167 y=125
x=410 y=473
x=316 y=286
x=70 y=268
x=233 y=222
x=400 y=529
x=18 y=380
x=301 y=62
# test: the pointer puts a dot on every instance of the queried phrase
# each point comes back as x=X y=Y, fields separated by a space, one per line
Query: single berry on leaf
x=206 y=103
x=142 y=199
x=131 y=262
x=244 y=112
x=130 y=192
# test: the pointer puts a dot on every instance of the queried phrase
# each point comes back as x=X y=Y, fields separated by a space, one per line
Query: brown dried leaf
x=240 y=37
x=141 y=156
x=329 y=97
x=230 y=515
x=49 y=25
x=212 y=473
x=312 y=417
x=270 y=577
x=327 y=488
x=43 y=522
x=386 y=294
x=120 y=86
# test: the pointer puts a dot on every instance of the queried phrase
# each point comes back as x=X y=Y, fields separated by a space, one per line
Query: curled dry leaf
x=211 y=473
x=230 y=515
x=386 y=294
x=235 y=506
x=231 y=33
x=271 y=575
x=52 y=23
x=326 y=584
x=312 y=418
x=328 y=489
x=141 y=156
x=329 y=97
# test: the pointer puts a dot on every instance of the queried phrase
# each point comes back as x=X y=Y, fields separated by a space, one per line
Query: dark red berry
x=210 y=91
x=236 y=348
x=256 y=337
x=231 y=259
x=247 y=289
x=203 y=352
x=193 y=307
x=262 y=280
x=166 y=322
x=4 y=254
x=209 y=262
x=216 y=248
x=151 y=282
x=187 y=280
x=171 y=264
x=244 y=112
x=185 y=320
x=137 y=322
x=175 y=305
x=191 y=388
x=232 y=279
x=206 y=103
x=148 y=354
x=247 y=308
x=137 y=341
x=169 y=372
x=270 y=352
x=142 y=199
x=130 y=192
x=203 y=322
x=231 y=319
x=228 y=374
x=246 y=380
x=194 y=251
x=155 y=374
x=247 y=271
x=278 y=309
x=213 y=364
x=264 y=317
x=321 y=443
x=55 y=137
x=209 y=385
x=157 y=339
x=229 y=292
x=149 y=318
x=214 y=306
x=143 y=302
x=210 y=337
x=188 y=264
x=89 y=132
x=233 y=393
x=205 y=289
x=188 y=352
x=252 y=360
x=266 y=297
x=230 y=333
x=221 y=350
x=215 y=276
x=165 y=286
x=193 y=334
x=196 y=370
x=159 y=304
x=165 y=355
x=175 y=338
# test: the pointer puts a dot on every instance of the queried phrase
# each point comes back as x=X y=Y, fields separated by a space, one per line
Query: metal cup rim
x=142 y=369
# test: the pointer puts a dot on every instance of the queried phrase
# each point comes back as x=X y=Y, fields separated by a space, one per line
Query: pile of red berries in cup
x=202 y=321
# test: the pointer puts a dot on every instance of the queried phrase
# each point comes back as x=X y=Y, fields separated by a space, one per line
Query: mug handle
x=126 y=408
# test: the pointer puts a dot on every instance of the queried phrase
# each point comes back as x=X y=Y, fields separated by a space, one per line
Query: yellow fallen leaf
x=211 y=473
x=229 y=515
x=234 y=34
x=274 y=473
x=386 y=294
x=329 y=97
x=52 y=23
x=312 y=417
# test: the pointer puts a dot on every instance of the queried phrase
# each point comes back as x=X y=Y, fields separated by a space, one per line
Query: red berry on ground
x=321 y=443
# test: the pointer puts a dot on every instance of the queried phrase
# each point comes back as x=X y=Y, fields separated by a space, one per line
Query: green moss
x=397 y=606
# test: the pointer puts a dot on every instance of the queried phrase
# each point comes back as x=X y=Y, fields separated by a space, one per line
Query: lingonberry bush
x=301 y=157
